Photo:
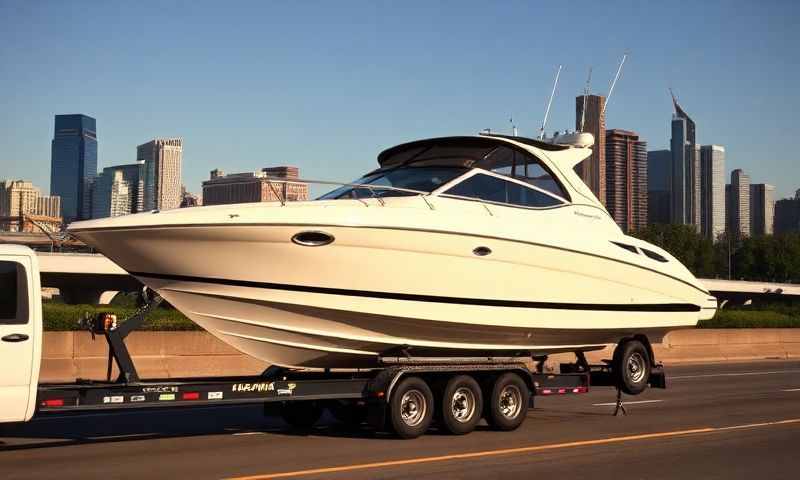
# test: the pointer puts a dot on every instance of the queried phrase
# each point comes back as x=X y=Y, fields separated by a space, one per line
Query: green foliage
x=683 y=241
x=767 y=316
x=770 y=258
x=61 y=317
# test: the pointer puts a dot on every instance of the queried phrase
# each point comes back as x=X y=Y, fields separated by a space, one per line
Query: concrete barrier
x=71 y=355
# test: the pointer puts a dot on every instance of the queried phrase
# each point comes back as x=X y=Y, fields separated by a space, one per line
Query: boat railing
x=281 y=195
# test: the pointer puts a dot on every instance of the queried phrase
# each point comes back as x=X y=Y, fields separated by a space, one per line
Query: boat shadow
x=51 y=431
x=48 y=431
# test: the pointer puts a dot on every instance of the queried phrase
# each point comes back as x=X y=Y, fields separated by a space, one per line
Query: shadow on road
x=65 y=429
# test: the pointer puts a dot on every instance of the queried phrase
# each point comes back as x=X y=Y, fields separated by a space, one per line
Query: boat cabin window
x=481 y=152
x=13 y=294
x=516 y=164
x=418 y=178
x=499 y=190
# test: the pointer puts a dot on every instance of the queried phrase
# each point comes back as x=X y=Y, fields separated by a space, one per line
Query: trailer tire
x=632 y=367
x=508 y=403
x=462 y=405
x=411 y=408
x=301 y=414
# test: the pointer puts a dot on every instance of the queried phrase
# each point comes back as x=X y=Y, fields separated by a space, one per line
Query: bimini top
x=462 y=150
x=517 y=157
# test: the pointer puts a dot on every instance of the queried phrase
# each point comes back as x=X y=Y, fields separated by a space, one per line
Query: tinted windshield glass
x=527 y=168
x=13 y=294
x=493 y=189
x=423 y=179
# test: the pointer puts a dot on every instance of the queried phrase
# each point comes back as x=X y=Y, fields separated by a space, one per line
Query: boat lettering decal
x=603 y=307
x=253 y=387
x=587 y=215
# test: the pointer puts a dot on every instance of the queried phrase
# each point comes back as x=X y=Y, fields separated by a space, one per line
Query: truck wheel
x=301 y=414
x=462 y=405
x=411 y=408
x=632 y=367
x=508 y=404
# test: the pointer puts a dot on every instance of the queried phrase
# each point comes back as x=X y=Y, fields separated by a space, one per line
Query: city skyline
x=364 y=84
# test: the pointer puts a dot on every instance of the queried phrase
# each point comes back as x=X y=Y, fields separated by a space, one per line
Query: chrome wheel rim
x=462 y=405
x=636 y=368
x=413 y=407
x=510 y=401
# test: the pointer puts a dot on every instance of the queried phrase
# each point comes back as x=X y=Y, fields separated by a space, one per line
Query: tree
x=771 y=258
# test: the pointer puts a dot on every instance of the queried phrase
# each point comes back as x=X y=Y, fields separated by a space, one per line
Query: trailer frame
x=278 y=387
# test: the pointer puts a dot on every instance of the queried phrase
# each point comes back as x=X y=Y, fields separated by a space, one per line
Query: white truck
x=20 y=332
x=298 y=396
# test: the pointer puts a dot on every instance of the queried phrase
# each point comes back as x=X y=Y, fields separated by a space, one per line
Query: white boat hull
x=380 y=286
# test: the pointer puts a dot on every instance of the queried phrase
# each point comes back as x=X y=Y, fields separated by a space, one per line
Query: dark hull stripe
x=601 y=307
x=442 y=232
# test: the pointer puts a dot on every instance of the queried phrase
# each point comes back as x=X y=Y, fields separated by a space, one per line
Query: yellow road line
x=511 y=451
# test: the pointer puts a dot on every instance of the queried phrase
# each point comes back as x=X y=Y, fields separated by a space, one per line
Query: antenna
x=549 y=102
x=616 y=77
x=585 y=97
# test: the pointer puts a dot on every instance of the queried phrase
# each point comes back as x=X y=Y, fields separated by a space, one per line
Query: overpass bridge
x=741 y=291
x=83 y=277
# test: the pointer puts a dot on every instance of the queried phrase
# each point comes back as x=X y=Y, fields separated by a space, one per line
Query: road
x=714 y=421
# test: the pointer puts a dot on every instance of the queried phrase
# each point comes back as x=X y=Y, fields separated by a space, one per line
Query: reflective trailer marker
x=137 y=398
x=191 y=396
x=167 y=396
x=215 y=395
x=54 y=402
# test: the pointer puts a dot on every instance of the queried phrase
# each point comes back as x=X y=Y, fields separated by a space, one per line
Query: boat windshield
x=420 y=178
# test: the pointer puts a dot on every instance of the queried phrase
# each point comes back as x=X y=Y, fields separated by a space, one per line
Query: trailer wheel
x=411 y=408
x=632 y=367
x=301 y=414
x=462 y=405
x=508 y=404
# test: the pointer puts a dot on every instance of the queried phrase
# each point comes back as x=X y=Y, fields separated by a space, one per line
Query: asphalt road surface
x=714 y=421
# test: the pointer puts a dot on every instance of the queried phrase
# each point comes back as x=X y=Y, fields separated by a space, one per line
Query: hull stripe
x=601 y=307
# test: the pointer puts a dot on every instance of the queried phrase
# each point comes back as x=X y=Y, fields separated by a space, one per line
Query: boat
x=485 y=243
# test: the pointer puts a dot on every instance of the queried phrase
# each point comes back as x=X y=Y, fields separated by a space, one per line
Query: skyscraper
x=162 y=172
x=593 y=170
x=659 y=185
x=712 y=190
x=118 y=190
x=626 y=179
x=762 y=208
x=787 y=215
x=73 y=163
x=685 y=169
x=738 y=208
x=17 y=197
x=20 y=203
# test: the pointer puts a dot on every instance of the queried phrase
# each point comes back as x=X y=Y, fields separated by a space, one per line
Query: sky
x=327 y=85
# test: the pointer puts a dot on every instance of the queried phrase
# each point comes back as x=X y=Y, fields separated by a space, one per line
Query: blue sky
x=327 y=85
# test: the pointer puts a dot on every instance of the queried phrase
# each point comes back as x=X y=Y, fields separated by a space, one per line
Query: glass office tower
x=73 y=164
